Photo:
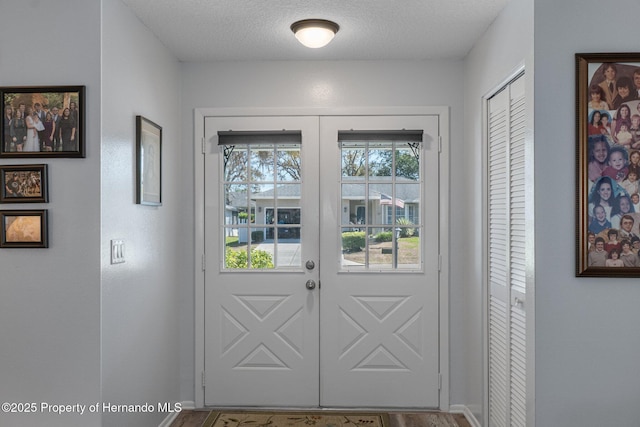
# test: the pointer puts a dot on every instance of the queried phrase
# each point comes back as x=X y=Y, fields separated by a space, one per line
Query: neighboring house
x=354 y=209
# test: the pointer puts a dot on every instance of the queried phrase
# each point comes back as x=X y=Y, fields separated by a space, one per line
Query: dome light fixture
x=314 y=33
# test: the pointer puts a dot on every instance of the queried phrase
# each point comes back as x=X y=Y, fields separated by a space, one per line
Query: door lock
x=310 y=265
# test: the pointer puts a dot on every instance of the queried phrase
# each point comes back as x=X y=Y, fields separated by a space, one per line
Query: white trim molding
x=444 y=201
x=171 y=417
x=188 y=405
x=464 y=410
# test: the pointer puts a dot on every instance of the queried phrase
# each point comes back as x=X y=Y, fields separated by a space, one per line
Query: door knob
x=311 y=284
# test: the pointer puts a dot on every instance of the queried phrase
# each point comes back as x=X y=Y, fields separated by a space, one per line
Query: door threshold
x=317 y=409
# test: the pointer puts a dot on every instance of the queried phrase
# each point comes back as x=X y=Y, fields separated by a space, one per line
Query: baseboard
x=464 y=410
x=172 y=416
x=169 y=419
x=189 y=404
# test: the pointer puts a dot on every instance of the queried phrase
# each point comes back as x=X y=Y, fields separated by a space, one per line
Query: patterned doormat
x=296 y=419
x=327 y=419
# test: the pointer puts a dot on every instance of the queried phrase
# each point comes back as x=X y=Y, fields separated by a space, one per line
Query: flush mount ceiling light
x=314 y=33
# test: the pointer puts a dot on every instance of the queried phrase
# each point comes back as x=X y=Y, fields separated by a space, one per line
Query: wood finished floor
x=196 y=418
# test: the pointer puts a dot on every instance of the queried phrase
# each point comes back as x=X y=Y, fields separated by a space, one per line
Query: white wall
x=588 y=336
x=50 y=298
x=140 y=361
x=330 y=84
x=504 y=48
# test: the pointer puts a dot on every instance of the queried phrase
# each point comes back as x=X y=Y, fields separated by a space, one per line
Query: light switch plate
x=117 y=251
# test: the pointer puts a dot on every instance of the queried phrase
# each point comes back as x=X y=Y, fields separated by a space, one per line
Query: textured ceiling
x=223 y=30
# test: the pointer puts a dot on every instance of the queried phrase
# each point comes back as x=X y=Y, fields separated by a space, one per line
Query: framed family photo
x=608 y=164
x=41 y=121
x=149 y=162
x=23 y=229
x=24 y=184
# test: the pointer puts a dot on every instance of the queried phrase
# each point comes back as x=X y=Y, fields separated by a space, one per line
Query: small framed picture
x=23 y=229
x=24 y=184
x=43 y=121
x=149 y=162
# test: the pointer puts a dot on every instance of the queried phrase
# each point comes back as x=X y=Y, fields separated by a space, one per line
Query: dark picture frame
x=24 y=229
x=608 y=164
x=149 y=162
x=24 y=184
x=48 y=135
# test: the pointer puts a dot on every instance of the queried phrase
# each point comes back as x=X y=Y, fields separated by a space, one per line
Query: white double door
x=326 y=323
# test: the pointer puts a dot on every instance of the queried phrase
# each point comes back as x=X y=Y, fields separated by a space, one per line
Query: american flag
x=385 y=199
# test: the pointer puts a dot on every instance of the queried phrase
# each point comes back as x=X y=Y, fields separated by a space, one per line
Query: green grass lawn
x=408 y=252
x=232 y=241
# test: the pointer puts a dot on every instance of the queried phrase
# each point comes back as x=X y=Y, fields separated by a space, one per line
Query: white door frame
x=200 y=146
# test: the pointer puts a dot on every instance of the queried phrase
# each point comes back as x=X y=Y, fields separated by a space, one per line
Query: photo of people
x=612 y=147
x=23 y=184
x=42 y=122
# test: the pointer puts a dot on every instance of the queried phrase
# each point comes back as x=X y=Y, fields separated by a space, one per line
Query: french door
x=321 y=285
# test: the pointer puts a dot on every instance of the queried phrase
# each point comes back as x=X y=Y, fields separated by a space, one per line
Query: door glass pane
x=262 y=163
x=353 y=204
x=407 y=164
x=288 y=250
x=380 y=160
x=262 y=214
x=381 y=198
x=382 y=248
x=380 y=218
x=407 y=204
x=235 y=168
x=289 y=166
x=354 y=161
x=262 y=251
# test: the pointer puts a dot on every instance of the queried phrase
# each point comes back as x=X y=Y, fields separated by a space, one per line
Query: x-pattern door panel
x=380 y=332
x=264 y=332
x=262 y=339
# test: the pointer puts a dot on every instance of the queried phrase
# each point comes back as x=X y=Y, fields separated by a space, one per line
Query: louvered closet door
x=507 y=257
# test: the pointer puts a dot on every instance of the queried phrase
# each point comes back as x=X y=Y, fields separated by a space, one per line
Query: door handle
x=311 y=284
